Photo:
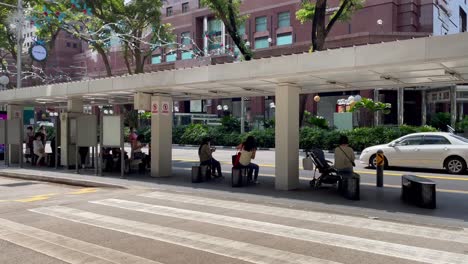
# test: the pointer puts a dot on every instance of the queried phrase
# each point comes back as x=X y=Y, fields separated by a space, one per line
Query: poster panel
x=86 y=135
x=111 y=127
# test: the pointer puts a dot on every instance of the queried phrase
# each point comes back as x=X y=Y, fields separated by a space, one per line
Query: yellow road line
x=362 y=183
x=84 y=190
x=36 y=198
x=450 y=178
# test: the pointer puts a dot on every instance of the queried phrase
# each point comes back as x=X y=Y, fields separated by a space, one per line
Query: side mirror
x=393 y=144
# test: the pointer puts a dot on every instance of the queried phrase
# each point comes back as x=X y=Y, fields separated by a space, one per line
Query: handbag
x=352 y=162
x=235 y=159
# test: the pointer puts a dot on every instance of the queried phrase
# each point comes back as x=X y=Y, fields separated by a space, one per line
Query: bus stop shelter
x=424 y=62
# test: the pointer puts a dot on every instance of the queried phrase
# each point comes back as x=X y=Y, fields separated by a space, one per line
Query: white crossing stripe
x=342 y=220
x=216 y=245
x=64 y=248
x=344 y=241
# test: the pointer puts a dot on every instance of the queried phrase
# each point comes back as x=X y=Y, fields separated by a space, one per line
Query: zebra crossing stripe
x=64 y=248
x=343 y=220
x=216 y=245
x=331 y=239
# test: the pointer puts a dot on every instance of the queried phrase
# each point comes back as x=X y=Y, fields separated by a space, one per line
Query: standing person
x=248 y=149
x=29 y=143
x=83 y=153
x=132 y=138
x=344 y=157
x=38 y=147
x=43 y=131
x=205 y=153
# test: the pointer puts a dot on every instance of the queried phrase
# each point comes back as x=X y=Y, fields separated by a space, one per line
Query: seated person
x=248 y=149
x=38 y=148
x=344 y=157
x=205 y=152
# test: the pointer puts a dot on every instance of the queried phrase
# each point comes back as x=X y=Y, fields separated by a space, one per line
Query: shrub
x=265 y=138
x=194 y=134
x=440 y=120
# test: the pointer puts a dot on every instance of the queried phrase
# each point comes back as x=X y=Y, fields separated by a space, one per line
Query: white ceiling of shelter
x=425 y=62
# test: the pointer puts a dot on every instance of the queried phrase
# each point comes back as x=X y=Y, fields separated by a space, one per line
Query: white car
x=431 y=150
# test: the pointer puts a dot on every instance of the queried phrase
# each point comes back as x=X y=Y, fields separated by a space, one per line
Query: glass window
x=169 y=11
x=284 y=20
x=68 y=44
x=156 y=59
x=261 y=24
x=410 y=141
x=187 y=55
x=436 y=140
x=75 y=45
x=261 y=43
x=185 y=38
x=171 y=57
x=214 y=34
x=241 y=30
x=284 y=39
x=460 y=138
x=185 y=7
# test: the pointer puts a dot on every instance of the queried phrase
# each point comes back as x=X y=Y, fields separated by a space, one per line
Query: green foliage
x=306 y=12
x=230 y=124
x=372 y=106
x=315 y=121
x=270 y=123
x=462 y=126
x=194 y=134
x=440 y=120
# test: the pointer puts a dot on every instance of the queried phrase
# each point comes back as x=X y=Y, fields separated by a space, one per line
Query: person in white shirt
x=248 y=149
x=38 y=148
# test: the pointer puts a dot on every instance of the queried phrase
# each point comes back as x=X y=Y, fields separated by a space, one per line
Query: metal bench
x=418 y=191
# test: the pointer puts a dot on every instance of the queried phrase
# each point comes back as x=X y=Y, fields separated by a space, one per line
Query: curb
x=73 y=182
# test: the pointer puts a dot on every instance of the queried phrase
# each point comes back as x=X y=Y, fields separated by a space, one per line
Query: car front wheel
x=455 y=165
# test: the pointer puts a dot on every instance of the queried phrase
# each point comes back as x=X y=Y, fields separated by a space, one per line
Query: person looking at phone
x=205 y=153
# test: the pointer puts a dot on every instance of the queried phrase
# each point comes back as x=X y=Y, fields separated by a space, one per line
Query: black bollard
x=380 y=160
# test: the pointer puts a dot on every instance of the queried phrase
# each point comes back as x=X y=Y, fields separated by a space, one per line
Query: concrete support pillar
x=68 y=132
x=453 y=106
x=287 y=137
x=223 y=39
x=376 y=114
x=423 y=107
x=401 y=106
x=161 y=136
x=75 y=106
x=461 y=112
x=14 y=112
x=205 y=39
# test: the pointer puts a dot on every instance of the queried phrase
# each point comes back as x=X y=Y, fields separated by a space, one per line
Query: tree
x=76 y=19
x=138 y=26
x=228 y=11
x=317 y=14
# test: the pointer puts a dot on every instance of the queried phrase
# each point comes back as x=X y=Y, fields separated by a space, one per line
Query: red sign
x=165 y=108
x=155 y=108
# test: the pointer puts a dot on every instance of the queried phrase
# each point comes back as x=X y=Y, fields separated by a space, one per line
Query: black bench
x=418 y=191
x=239 y=176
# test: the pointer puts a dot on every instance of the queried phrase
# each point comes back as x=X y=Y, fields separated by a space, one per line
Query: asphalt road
x=48 y=223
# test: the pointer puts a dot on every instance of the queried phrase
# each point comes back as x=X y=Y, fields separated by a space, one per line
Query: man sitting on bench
x=205 y=152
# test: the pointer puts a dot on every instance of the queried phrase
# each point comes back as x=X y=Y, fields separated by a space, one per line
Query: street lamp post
x=19 y=32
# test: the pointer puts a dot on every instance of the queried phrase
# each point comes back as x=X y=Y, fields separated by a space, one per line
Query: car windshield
x=460 y=138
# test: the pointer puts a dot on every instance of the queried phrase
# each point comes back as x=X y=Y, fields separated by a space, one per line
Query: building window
x=75 y=45
x=187 y=55
x=169 y=11
x=284 y=20
x=261 y=43
x=261 y=24
x=171 y=57
x=185 y=38
x=68 y=44
x=156 y=59
x=462 y=20
x=185 y=7
x=241 y=30
x=284 y=39
x=214 y=34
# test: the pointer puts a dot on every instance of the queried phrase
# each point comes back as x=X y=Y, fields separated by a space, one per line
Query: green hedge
x=359 y=138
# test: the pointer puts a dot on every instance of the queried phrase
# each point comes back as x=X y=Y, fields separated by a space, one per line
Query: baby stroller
x=328 y=173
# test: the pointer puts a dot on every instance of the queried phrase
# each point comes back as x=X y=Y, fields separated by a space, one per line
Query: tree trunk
x=320 y=15
x=127 y=63
x=105 y=59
